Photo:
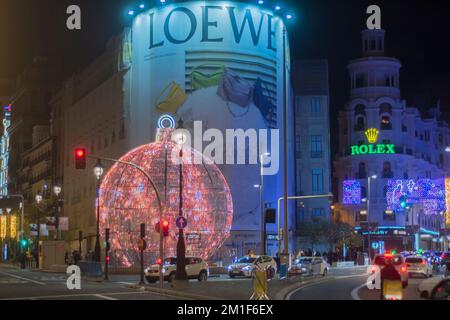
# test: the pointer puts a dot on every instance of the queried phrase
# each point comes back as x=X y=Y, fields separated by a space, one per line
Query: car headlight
x=246 y=268
x=163 y=270
x=230 y=267
x=303 y=269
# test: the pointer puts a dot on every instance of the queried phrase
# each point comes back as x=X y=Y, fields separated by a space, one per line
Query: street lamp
x=98 y=172
x=181 y=246
x=261 y=202
x=447 y=149
x=57 y=191
x=38 y=199
x=369 y=178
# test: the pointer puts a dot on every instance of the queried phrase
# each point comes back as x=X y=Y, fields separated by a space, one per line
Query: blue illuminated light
x=289 y=16
x=162 y=1
x=131 y=12
x=142 y=6
x=351 y=192
x=260 y=2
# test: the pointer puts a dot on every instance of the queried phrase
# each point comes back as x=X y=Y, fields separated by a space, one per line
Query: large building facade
x=312 y=142
x=392 y=163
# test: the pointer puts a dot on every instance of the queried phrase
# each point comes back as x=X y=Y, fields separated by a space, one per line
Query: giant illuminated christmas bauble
x=127 y=199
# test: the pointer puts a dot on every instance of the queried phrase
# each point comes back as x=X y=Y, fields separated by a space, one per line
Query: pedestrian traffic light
x=165 y=227
x=80 y=158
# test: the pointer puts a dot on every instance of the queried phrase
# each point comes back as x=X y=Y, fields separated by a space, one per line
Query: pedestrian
x=66 y=258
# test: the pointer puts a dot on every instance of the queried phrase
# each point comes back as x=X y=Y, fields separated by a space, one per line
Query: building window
x=318 y=212
x=387 y=172
x=122 y=129
x=316 y=146
x=361 y=174
x=317 y=180
x=360 y=124
x=386 y=123
x=315 y=106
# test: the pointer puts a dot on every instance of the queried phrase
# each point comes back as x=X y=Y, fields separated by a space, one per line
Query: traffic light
x=165 y=227
x=159 y=261
x=108 y=246
x=403 y=201
x=80 y=158
x=142 y=230
x=24 y=243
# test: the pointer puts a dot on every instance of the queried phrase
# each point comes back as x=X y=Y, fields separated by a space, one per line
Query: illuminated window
x=316 y=146
x=315 y=106
x=386 y=123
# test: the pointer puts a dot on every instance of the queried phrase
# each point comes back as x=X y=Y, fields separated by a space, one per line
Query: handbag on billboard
x=173 y=99
x=235 y=89
x=200 y=80
x=261 y=98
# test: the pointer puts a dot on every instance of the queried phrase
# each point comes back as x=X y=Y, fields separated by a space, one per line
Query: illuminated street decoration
x=372 y=148
x=2 y=227
x=351 y=192
x=447 y=202
x=430 y=194
x=13 y=227
x=127 y=199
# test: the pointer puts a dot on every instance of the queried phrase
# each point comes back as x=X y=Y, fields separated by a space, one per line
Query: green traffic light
x=23 y=242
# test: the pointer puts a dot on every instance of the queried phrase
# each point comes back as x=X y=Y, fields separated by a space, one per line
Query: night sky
x=417 y=34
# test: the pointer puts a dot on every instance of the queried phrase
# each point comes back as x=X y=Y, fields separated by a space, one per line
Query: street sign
x=51 y=223
x=181 y=222
x=33 y=229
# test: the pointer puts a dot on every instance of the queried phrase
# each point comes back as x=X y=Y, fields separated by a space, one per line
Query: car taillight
x=403 y=269
x=424 y=262
x=373 y=269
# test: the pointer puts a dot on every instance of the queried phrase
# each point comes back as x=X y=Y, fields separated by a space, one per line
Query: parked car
x=309 y=266
x=196 y=268
x=445 y=257
x=244 y=266
x=419 y=266
x=397 y=260
x=426 y=286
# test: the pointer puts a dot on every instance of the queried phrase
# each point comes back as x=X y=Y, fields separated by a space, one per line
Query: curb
x=185 y=295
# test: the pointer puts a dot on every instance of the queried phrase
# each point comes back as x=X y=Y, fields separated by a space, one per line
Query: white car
x=196 y=268
x=419 y=265
x=244 y=266
x=309 y=266
x=426 y=286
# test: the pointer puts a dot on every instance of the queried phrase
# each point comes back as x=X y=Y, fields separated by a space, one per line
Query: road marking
x=355 y=295
x=104 y=297
x=127 y=283
x=74 y=295
x=22 y=278
x=289 y=295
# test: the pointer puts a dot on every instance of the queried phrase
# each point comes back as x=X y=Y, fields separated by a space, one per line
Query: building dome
x=128 y=199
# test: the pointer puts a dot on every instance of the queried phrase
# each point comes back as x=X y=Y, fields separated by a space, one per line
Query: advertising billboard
x=215 y=65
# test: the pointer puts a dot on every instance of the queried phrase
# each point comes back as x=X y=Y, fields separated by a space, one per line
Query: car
x=441 y=291
x=196 y=268
x=398 y=261
x=309 y=266
x=244 y=266
x=445 y=257
x=419 y=266
x=426 y=286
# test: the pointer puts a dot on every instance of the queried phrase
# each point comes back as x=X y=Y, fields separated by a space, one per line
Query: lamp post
x=181 y=246
x=261 y=202
x=38 y=199
x=57 y=191
x=369 y=178
x=98 y=172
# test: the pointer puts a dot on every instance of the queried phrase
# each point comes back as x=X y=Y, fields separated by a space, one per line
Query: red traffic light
x=159 y=261
x=165 y=227
x=80 y=158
